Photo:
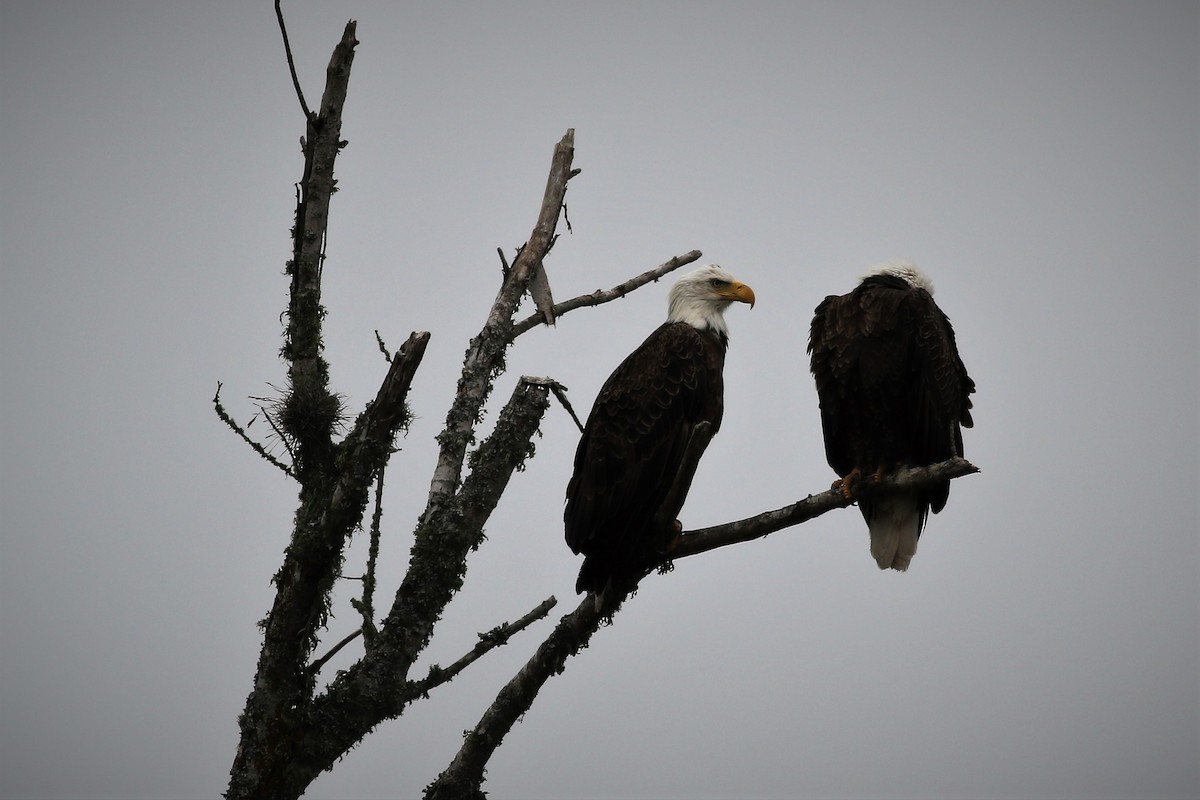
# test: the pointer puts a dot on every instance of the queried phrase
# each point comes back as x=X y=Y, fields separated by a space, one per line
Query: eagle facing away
x=893 y=392
x=638 y=431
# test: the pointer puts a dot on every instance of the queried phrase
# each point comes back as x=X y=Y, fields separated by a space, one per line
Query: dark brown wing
x=827 y=360
x=632 y=446
x=940 y=388
x=859 y=356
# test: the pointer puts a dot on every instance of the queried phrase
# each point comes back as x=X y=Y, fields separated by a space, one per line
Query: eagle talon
x=846 y=485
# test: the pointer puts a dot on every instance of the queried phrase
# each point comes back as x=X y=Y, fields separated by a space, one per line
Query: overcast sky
x=1039 y=160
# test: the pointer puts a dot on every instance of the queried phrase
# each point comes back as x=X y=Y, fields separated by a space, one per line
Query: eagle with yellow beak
x=638 y=431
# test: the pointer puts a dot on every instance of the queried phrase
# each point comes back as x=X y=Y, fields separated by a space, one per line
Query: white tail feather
x=895 y=525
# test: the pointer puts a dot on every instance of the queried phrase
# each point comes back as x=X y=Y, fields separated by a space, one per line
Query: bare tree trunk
x=289 y=734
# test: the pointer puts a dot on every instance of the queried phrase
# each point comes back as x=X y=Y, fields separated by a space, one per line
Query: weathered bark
x=288 y=735
x=308 y=414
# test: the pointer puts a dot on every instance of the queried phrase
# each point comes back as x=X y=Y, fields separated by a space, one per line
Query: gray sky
x=1038 y=160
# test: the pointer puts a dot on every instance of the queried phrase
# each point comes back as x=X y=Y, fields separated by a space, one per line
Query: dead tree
x=291 y=729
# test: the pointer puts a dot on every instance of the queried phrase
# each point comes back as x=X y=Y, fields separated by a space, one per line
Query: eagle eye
x=716 y=283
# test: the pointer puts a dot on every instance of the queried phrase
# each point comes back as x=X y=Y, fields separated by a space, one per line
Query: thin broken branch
x=287 y=47
x=560 y=393
x=489 y=641
x=315 y=667
x=382 y=347
x=255 y=446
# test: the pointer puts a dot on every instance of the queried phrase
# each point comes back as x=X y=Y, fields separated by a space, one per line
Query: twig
x=291 y=63
x=258 y=448
x=567 y=216
x=601 y=296
x=270 y=408
x=382 y=347
x=489 y=641
x=559 y=391
x=315 y=666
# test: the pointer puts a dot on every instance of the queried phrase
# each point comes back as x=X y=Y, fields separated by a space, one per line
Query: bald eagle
x=638 y=431
x=893 y=392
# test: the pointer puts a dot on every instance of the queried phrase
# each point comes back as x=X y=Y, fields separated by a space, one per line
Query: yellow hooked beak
x=739 y=292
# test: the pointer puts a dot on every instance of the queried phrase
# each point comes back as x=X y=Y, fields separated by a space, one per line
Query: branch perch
x=600 y=296
x=705 y=539
x=464 y=776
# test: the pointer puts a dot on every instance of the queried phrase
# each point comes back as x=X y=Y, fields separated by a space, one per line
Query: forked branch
x=601 y=296
x=464 y=776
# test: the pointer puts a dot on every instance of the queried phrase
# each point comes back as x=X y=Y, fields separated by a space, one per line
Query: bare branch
x=310 y=411
x=489 y=641
x=539 y=289
x=485 y=355
x=560 y=392
x=309 y=414
x=315 y=667
x=258 y=448
x=705 y=539
x=367 y=606
x=287 y=47
x=465 y=774
x=382 y=347
x=600 y=296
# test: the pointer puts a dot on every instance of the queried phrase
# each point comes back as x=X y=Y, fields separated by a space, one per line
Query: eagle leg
x=846 y=484
x=877 y=475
